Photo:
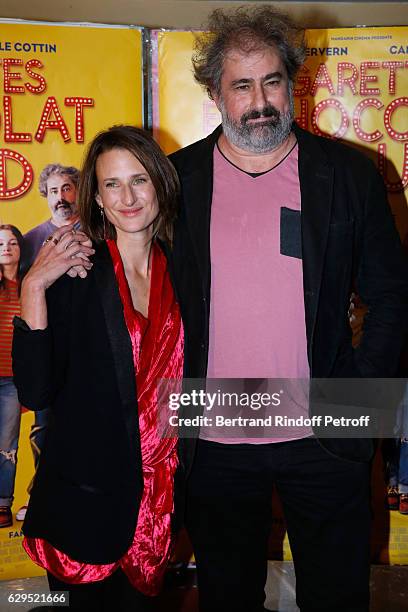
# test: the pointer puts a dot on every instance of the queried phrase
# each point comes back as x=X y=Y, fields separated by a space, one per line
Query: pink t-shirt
x=257 y=317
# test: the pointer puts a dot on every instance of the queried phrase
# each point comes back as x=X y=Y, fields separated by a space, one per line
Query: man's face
x=61 y=197
x=256 y=101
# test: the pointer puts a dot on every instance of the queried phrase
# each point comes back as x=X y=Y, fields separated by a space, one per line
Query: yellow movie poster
x=182 y=111
x=60 y=85
x=353 y=87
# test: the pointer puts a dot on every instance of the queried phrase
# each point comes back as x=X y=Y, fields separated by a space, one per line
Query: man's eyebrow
x=273 y=75
x=239 y=81
x=244 y=81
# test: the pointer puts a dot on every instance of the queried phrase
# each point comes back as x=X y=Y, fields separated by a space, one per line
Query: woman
x=11 y=251
x=93 y=349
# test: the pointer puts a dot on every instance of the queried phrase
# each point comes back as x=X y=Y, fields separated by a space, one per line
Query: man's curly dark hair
x=245 y=29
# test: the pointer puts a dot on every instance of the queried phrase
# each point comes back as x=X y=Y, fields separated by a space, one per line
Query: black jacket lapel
x=316 y=186
x=119 y=339
x=197 y=187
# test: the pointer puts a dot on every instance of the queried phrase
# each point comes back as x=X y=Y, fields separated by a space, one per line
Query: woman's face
x=126 y=192
x=9 y=248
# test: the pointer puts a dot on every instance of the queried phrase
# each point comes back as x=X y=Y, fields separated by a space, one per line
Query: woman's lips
x=131 y=213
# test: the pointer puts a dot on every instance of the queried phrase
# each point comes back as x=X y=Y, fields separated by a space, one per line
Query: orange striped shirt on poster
x=9 y=307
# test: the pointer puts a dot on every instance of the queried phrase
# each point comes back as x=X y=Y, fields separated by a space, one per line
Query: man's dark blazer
x=348 y=240
x=89 y=483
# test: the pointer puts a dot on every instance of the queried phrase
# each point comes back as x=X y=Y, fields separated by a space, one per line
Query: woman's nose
x=128 y=196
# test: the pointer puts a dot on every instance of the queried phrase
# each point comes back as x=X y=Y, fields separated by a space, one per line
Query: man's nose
x=259 y=100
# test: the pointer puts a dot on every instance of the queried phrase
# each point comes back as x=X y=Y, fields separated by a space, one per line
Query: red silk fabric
x=158 y=348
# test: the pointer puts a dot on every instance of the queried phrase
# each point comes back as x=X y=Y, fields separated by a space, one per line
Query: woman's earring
x=103 y=221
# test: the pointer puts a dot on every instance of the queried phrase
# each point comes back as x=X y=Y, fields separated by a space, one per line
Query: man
x=275 y=226
x=59 y=185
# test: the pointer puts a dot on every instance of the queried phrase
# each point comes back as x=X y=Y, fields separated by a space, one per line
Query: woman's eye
x=110 y=185
x=139 y=180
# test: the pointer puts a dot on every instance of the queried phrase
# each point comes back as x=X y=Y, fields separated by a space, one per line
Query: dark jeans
x=327 y=511
x=115 y=594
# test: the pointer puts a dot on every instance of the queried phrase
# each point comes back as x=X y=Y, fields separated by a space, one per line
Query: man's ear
x=98 y=200
x=212 y=94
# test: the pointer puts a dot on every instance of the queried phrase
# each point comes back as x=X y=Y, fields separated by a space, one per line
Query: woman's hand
x=64 y=249
x=80 y=270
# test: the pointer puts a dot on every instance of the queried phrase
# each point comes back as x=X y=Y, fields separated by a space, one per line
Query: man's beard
x=65 y=210
x=261 y=137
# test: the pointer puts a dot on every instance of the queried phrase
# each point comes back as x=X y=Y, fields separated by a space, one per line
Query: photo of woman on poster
x=11 y=271
x=93 y=349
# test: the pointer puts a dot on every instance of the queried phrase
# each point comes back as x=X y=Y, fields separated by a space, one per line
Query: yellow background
x=185 y=113
x=366 y=48
x=100 y=63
